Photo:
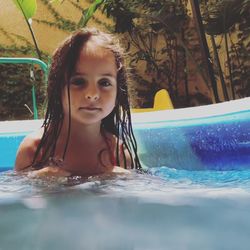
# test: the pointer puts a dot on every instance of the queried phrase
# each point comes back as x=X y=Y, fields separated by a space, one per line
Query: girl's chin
x=87 y=122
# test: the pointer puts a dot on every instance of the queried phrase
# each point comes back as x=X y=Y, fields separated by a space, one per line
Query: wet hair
x=118 y=122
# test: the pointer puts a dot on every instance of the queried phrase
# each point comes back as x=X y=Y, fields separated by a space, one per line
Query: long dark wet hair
x=118 y=122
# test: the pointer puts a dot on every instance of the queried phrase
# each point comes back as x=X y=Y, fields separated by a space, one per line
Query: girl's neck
x=81 y=132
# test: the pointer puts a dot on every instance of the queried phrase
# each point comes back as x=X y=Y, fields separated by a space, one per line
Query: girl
x=87 y=128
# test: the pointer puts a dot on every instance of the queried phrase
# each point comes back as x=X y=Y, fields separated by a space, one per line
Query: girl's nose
x=92 y=94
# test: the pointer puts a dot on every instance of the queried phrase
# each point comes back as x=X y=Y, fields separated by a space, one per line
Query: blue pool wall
x=212 y=137
x=214 y=143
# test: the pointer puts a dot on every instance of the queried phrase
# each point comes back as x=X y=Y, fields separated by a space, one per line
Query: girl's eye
x=77 y=81
x=105 y=82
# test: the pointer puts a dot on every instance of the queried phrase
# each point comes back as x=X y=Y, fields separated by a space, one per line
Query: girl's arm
x=25 y=152
x=25 y=155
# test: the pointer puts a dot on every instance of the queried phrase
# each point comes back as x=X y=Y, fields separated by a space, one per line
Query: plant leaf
x=28 y=7
x=56 y=1
x=89 y=12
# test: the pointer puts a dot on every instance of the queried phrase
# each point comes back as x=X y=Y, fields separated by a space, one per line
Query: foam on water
x=158 y=182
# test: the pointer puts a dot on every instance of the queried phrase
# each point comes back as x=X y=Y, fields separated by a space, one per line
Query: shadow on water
x=138 y=211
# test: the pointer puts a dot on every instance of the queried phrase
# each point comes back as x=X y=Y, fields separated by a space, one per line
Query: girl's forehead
x=94 y=49
x=95 y=59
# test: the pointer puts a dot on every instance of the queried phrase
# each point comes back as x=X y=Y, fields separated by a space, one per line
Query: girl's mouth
x=90 y=108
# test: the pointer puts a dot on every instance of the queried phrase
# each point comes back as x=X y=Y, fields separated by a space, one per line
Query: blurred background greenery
x=198 y=50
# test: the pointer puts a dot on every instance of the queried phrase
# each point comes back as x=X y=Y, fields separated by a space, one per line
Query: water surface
x=167 y=209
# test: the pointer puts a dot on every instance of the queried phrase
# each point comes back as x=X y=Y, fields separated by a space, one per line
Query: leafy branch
x=28 y=9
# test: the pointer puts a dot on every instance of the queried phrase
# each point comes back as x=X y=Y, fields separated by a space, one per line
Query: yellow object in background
x=162 y=101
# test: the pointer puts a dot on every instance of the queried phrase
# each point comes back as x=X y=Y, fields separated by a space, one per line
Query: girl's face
x=93 y=86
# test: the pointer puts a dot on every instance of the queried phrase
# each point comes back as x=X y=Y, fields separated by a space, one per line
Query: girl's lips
x=90 y=108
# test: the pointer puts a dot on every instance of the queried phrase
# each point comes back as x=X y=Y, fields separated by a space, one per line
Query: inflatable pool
x=212 y=137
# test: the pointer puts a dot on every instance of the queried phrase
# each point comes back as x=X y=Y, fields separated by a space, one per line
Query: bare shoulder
x=27 y=149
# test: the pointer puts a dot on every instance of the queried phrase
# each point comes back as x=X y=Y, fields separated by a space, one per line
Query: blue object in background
x=8 y=147
x=214 y=143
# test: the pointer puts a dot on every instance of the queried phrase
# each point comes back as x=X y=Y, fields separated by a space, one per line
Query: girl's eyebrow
x=104 y=74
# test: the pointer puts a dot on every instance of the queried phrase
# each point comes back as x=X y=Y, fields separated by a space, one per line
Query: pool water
x=164 y=209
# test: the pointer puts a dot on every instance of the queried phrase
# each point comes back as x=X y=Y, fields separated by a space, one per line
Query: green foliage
x=220 y=16
x=239 y=60
x=240 y=52
x=155 y=31
x=15 y=91
x=56 y=1
x=150 y=21
x=157 y=34
x=16 y=85
x=87 y=14
x=67 y=25
x=59 y=21
x=28 y=7
x=224 y=18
